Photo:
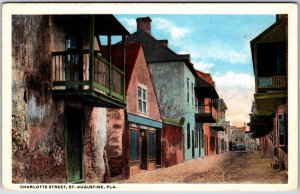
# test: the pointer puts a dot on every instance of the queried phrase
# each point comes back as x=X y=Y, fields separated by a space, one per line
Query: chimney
x=279 y=16
x=164 y=42
x=144 y=24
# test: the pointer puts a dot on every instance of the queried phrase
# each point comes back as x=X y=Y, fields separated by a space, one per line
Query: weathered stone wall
x=141 y=77
x=37 y=122
x=115 y=125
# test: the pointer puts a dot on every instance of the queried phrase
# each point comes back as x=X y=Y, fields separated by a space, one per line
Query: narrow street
x=229 y=167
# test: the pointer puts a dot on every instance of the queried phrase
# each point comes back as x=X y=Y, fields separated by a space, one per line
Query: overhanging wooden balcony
x=217 y=126
x=271 y=83
x=73 y=77
x=206 y=114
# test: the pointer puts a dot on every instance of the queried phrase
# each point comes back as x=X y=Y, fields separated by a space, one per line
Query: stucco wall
x=172 y=145
x=190 y=113
x=95 y=135
x=170 y=79
x=141 y=75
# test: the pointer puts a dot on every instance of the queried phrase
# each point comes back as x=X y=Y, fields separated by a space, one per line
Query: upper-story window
x=188 y=90
x=142 y=99
x=192 y=89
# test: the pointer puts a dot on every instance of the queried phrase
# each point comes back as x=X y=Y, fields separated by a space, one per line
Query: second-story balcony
x=217 y=126
x=80 y=73
x=101 y=85
x=206 y=114
x=271 y=83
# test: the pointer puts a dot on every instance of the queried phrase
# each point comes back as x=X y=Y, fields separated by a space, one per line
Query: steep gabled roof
x=131 y=51
x=154 y=50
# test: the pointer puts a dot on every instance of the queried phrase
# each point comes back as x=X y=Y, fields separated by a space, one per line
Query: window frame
x=143 y=99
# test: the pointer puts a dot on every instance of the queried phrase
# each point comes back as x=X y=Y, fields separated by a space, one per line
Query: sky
x=217 y=44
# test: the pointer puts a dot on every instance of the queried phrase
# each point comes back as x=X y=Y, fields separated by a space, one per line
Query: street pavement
x=229 y=167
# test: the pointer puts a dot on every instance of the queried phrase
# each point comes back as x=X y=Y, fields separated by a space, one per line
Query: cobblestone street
x=230 y=167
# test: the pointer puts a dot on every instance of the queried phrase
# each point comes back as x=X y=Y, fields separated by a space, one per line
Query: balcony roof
x=204 y=89
x=275 y=33
x=103 y=24
x=217 y=127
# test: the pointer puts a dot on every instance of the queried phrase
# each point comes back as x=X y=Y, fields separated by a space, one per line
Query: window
x=282 y=129
x=188 y=90
x=241 y=139
x=188 y=136
x=192 y=89
x=142 y=100
x=151 y=145
x=134 y=148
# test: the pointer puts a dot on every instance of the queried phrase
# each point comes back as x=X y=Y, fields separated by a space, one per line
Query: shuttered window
x=151 y=145
x=134 y=150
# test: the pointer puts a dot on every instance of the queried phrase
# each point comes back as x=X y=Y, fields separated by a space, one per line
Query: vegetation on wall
x=261 y=125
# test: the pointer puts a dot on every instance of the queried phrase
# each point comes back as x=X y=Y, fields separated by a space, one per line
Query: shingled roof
x=154 y=49
x=157 y=51
x=206 y=76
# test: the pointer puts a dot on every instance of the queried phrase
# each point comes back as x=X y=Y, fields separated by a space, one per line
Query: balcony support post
x=109 y=58
x=91 y=51
x=124 y=68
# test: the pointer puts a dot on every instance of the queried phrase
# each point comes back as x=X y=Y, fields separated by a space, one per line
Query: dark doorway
x=193 y=144
x=158 y=147
x=200 y=140
x=74 y=144
x=144 y=149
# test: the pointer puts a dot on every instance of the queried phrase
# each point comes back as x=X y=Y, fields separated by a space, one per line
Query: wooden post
x=91 y=50
x=110 y=57
x=124 y=68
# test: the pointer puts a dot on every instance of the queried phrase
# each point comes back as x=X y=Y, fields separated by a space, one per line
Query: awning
x=144 y=121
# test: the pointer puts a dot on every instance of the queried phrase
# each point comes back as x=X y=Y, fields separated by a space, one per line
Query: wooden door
x=144 y=149
x=74 y=145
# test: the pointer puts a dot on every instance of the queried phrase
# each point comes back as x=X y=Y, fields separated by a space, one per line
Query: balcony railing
x=271 y=82
x=207 y=113
x=71 y=71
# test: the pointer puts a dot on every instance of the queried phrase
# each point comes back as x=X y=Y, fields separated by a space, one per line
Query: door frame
x=145 y=146
x=68 y=110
